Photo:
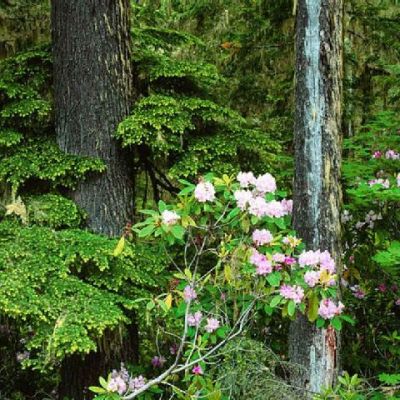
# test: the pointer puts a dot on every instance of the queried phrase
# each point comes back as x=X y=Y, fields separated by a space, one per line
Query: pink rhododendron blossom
x=204 y=192
x=262 y=236
x=398 y=179
x=263 y=265
x=189 y=293
x=243 y=198
x=357 y=292
x=274 y=209
x=328 y=309
x=392 y=155
x=397 y=302
x=158 y=361
x=212 y=325
x=258 y=206
x=295 y=293
x=169 y=217
x=245 y=179
x=310 y=258
x=279 y=257
x=136 y=383
x=383 y=182
x=117 y=384
x=311 y=278
x=287 y=206
x=382 y=287
x=195 y=319
x=377 y=154
x=265 y=184
x=326 y=262
x=197 y=370
x=289 y=260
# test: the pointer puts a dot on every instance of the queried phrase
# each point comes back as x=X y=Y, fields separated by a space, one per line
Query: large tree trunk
x=92 y=94
x=317 y=194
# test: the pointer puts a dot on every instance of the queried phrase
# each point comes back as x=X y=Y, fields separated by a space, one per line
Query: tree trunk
x=317 y=193
x=92 y=94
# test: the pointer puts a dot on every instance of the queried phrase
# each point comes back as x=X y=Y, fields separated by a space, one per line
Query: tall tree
x=92 y=94
x=317 y=193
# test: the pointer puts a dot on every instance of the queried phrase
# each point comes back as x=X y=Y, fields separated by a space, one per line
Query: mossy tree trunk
x=317 y=194
x=92 y=94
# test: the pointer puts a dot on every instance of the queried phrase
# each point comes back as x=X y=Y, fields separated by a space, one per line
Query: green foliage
x=66 y=289
x=54 y=211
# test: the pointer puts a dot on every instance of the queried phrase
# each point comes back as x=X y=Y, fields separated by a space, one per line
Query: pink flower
x=326 y=262
x=261 y=237
x=274 y=209
x=212 y=325
x=357 y=292
x=136 y=383
x=311 y=278
x=204 y=192
x=295 y=293
x=310 y=258
x=289 y=260
x=264 y=267
x=195 y=319
x=117 y=384
x=189 y=294
x=258 y=206
x=328 y=309
x=242 y=197
x=158 y=361
x=382 y=287
x=377 y=154
x=383 y=182
x=279 y=257
x=392 y=155
x=397 y=302
x=265 y=184
x=398 y=179
x=245 y=179
x=169 y=217
x=287 y=206
x=197 y=370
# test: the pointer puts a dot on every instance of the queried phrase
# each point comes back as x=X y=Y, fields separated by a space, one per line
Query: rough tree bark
x=317 y=193
x=92 y=94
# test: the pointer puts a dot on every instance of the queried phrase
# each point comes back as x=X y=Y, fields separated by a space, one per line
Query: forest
x=199 y=199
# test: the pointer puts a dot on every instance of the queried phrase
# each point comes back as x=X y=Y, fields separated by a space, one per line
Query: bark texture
x=92 y=94
x=317 y=194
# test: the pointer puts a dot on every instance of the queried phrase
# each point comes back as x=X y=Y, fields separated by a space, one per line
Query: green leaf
x=162 y=206
x=320 y=322
x=275 y=278
x=120 y=247
x=291 y=308
x=336 y=323
x=147 y=231
x=312 y=312
x=178 y=231
x=275 y=301
x=96 y=389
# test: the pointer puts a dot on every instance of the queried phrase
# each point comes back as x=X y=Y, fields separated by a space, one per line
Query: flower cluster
x=121 y=381
x=252 y=196
x=169 y=217
x=204 y=192
x=328 y=309
x=295 y=293
x=389 y=154
x=370 y=219
x=383 y=182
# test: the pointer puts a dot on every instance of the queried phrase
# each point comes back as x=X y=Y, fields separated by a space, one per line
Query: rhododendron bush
x=235 y=256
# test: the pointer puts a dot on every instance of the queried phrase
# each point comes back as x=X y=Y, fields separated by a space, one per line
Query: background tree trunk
x=92 y=94
x=317 y=193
